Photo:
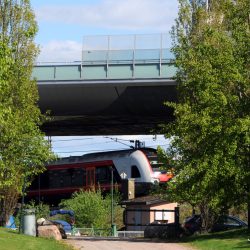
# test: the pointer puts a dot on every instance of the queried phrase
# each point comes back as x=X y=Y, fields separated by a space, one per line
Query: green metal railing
x=102 y=72
x=91 y=231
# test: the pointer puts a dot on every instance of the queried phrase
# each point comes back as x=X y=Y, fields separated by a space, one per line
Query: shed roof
x=145 y=200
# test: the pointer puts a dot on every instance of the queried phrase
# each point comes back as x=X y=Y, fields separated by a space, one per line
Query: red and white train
x=70 y=174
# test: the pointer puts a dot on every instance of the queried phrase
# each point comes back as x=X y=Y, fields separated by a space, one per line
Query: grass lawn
x=236 y=239
x=12 y=240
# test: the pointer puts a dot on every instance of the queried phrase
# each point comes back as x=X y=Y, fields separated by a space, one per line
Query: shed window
x=135 y=173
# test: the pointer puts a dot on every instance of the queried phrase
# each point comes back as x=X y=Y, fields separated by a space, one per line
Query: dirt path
x=109 y=244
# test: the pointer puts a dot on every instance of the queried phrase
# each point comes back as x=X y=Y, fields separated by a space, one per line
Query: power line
x=76 y=139
x=82 y=145
x=91 y=138
x=97 y=143
x=106 y=150
x=87 y=151
x=118 y=140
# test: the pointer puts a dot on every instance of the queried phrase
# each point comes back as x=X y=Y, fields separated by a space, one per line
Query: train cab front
x=158 y=169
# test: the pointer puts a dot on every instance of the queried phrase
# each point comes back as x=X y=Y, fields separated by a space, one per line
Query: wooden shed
x=142 y=211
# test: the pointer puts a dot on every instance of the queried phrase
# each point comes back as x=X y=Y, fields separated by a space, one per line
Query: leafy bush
x=91 y=208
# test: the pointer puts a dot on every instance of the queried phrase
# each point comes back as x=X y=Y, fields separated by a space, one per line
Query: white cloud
x=134 y=15
x=129 y=16
x=60 y=51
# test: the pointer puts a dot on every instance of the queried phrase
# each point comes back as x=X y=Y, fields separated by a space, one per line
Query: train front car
x=146 y=170
x=158 y=168
x=70 y=174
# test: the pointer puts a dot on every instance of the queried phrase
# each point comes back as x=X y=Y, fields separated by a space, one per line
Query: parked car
x=225 y=222
x=192 y=224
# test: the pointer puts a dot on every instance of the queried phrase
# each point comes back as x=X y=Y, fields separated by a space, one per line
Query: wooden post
x=177 y=216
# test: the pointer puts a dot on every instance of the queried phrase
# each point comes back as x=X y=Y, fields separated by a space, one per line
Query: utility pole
x=113 y=226
x=207 y=5
x=139 y=144
x=50 y=142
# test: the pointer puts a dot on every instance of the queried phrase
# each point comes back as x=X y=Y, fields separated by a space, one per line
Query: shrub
x=91 y=208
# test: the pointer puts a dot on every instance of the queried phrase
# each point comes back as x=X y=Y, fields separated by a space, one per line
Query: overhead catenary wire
x=96 y=143
x=89 y=151
x=106 y=150
x=118 y=140
x=92 y=138
x=98 y=138
x=84 y=145
x=73 y=139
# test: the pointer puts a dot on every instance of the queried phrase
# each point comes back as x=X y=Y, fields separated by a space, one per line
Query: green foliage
x=41 y=211
x=91 y=208
x=186 y=210
x=23 y=149
x=239 y=211
x=118 y=210
x=210 y=134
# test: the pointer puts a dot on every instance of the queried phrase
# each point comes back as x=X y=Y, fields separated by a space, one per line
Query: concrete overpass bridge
x=111 y=91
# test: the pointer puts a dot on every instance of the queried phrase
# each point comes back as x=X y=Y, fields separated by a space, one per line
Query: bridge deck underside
x=106 y=107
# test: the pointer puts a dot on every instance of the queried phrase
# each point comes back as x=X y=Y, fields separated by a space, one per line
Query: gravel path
x=111 y=244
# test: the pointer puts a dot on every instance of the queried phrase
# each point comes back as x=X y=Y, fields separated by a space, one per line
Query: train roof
x=118 y=152
x=99 y=156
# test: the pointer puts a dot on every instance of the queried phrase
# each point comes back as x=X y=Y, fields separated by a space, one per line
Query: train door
x=90 y=177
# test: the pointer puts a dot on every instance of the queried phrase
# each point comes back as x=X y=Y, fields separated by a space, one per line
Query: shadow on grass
x=242 y=235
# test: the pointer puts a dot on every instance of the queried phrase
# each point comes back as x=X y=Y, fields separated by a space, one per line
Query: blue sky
x=64 y=23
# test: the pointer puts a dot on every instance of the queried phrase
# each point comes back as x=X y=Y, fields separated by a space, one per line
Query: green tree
x=210 y=134
x=23 y=148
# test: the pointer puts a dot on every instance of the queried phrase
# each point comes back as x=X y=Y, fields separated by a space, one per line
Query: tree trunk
x=3 y=218
x=248 y=213
x=7 y=205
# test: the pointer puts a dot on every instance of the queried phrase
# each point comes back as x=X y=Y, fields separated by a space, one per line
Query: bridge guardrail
x=115 y=57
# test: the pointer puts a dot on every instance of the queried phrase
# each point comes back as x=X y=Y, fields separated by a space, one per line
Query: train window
x=135 y=173
x=54 y=179
x=67 y=178
x=78 y=177
x=44 y=180
x=103 y=174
